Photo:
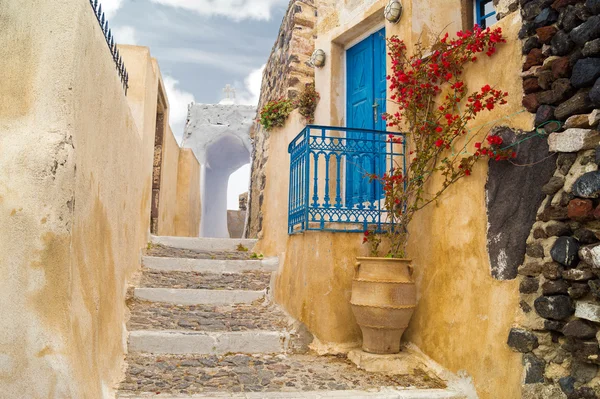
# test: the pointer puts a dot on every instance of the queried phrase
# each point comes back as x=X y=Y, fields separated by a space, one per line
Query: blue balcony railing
x=330 y=188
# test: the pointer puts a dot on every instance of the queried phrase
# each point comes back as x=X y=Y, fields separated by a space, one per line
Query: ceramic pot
x=383 y=301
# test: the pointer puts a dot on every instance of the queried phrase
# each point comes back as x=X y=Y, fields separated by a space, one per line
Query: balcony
x=330 y=186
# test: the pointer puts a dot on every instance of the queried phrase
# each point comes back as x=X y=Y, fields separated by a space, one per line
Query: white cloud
x=235 y=9
x=230 y=62
x=110 y=7
x=238 y=184
x=125 y=35
x=178 y=104
x=250 y=93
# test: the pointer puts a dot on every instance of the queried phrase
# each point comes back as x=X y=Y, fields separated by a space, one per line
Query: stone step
x=270 y=376
x=204 y=244
x=179 y=342
x=248 y=280
x=164 y=316
x=209 y=265
x=197 y=297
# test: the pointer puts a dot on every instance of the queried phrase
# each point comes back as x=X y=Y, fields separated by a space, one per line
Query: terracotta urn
x=383 y=301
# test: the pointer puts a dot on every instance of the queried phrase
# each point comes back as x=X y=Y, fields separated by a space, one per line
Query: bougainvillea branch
x=434 y=107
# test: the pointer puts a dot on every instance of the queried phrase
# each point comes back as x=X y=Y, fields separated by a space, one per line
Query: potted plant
x=434 y=108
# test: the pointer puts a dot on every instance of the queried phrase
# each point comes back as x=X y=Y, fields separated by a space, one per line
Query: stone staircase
x=202 y=326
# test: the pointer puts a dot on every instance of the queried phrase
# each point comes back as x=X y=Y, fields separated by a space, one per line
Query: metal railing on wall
x=112 y=45
x=330 y=186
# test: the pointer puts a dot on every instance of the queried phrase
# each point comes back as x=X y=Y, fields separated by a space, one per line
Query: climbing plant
x=434 y=107
x=275 y=113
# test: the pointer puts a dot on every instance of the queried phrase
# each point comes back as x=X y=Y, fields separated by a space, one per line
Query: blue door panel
x=366 y=101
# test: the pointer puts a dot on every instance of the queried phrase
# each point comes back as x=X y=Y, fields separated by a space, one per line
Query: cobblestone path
x=185 y=350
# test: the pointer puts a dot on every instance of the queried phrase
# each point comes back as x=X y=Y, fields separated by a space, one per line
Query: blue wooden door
x=366 y=102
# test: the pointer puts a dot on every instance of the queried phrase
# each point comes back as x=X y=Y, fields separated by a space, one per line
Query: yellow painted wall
x=187 y=218
x=167 y=205
x=463 y=315
x=75 y=187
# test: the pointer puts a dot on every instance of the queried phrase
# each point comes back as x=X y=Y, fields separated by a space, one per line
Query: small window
x=485 y=14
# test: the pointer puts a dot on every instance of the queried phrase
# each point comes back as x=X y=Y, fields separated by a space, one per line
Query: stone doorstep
x=203 y=244
x=197 y=297
x=384 y=393
x=208 y=343
x=209 y=265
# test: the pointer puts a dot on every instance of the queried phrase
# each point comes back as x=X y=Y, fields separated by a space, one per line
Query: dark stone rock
x=535 y=250
x=594 y=94
x=587 y=31
x=555 y=287
x=563 y=3
x=545 y=79
x=585 y=72
x=557 y=229
x=561 y=88
x=531 y=103
x=580 y=209
x=585 y=236
x=530 y=44
x=535 y=57
x=531 y=85
x=527 y=29
x=591 y=48
x=524 y=306
x=522 y=340
x=579 y=329
x=588 y=185
x=555 y=213
x=538 y=232
x=532 y=9
x=531 y=269
x=578 y=290
x=584 y=393
x=554 y=325
x=593 y=6
x=583 y=372
x=534 y=369
x=564 y=251
x=546 y=33
x=561 y=43
x=513 y=198
x=554 y=184
x=597 y=156
x=552 y=270
x=578 y=275
x=529 y=285
x=562 y=198
x=572 y=16
x=594 y=286
x=565 y=161
x=558 y=307
x=544 y=114
x=580 y=103
x=547 y=17
x=561 y=68
x=586 y=351
x=567 y=385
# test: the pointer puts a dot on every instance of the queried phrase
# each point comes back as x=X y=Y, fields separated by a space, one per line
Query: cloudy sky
x=202 y=45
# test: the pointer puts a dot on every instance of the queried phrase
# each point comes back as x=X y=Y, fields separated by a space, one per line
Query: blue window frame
x=485 y=14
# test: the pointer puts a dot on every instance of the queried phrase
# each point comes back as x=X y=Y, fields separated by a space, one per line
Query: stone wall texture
x=285 y=75
x=559 y=321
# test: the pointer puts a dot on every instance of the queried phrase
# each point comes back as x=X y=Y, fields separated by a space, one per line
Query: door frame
x=373 y=29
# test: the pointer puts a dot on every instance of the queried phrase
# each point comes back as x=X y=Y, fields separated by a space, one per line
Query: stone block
x=521 y=340
x=530 y=102
x=574 y=140
x=561 y=43
x=559 y=307
x=594 y=120
x=580 y=209
x=588 y=311
x=578 y=121
x=580 y=103
x=587 y=185
x=554 y=184
x=585 y=72
x=578 y=275
x=579 y=329
x=535 y=57
x=587 y=31
x=594 y=94
x=555 y=287
x=591 y=48
x=552 y=270
x=534 y=369
x=564 y=251
x=531 y=85
x=546 y=33
x=590 y=254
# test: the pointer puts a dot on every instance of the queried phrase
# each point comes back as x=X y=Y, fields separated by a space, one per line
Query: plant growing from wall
x=434 y=106
x=275 y=113
x=307 y=102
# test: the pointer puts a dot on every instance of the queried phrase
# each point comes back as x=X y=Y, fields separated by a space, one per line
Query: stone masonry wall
x=559 y=322
x=284 y=76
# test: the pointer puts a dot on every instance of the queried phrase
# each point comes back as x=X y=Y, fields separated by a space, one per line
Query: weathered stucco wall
x=167 y=205
x=285 y=75
x=464 y=314
x=75 y=187
x=187 y=218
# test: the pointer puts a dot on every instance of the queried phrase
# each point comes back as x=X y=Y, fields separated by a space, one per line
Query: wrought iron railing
x=330 y=185
x=112 y=45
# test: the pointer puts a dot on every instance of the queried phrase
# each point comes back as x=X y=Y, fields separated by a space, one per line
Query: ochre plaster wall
x=187 y=218
x=167 y=205
x=75 y=186
x=463 y=315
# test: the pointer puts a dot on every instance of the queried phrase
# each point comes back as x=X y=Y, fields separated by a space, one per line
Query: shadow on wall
x=223 y=157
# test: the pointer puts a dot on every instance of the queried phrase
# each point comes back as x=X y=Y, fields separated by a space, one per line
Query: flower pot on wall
x=383 y=301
